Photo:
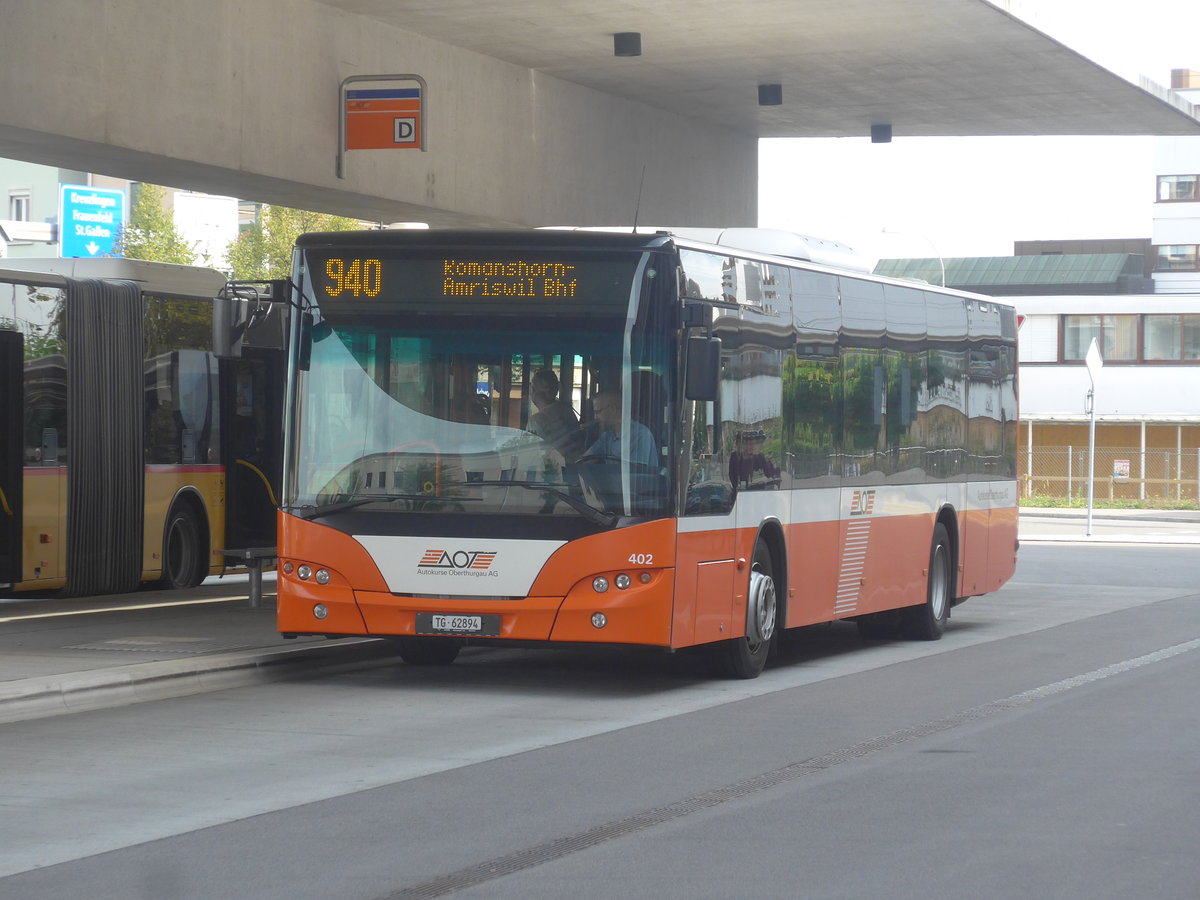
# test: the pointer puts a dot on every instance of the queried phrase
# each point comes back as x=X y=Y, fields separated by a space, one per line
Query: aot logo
x=459 y=560
x=862 y=503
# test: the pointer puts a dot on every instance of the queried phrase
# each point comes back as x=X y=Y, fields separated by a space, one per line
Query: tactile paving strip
x=161 y=644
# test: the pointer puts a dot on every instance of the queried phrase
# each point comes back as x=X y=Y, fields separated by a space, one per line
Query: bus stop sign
x=383 y=119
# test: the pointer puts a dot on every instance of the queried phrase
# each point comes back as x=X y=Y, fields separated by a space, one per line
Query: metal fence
x=1171 y=476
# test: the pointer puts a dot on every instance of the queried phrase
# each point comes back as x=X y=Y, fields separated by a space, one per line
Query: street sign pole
x=1094 y=363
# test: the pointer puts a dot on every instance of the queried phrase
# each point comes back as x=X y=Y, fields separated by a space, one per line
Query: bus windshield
x=409 y=405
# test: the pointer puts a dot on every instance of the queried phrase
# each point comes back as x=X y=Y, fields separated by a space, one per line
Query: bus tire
x=183 y=554
x=927 y=622
x=418 y=651
x=745 y=657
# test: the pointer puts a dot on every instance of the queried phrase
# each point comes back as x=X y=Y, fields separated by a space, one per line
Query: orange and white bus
x=140 y=412
x=779 y=443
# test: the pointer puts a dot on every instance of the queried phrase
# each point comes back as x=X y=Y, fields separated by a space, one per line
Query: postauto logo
x=457 y=562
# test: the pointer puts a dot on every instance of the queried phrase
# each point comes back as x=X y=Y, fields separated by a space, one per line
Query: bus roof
x=767 y=244
x=163 y=279
x=445 y=237
x=783 y=245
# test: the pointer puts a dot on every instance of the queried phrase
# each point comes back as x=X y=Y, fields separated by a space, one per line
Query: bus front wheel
x=927 y=622
x=745 y=657
x=183 y=551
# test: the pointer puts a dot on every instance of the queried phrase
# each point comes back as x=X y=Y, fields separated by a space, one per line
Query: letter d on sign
x=405 y=130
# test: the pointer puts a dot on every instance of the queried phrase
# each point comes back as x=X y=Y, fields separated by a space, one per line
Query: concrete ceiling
x=926 y=67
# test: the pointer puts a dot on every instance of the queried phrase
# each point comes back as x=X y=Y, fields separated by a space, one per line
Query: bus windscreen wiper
x=589 y=512
x=326 y=509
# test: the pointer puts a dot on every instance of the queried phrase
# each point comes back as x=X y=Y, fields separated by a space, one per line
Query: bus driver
x=642 y=449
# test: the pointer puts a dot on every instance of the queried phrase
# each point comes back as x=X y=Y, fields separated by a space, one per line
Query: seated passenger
x=555 y=422
x=642 y=448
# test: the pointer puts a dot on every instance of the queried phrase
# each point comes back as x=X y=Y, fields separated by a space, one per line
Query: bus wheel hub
x=760 y=608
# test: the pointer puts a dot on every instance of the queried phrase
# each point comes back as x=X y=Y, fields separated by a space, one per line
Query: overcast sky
x=975 y=196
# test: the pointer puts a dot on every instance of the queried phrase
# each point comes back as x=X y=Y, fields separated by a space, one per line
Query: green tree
x=150 y=232
x=264 y=250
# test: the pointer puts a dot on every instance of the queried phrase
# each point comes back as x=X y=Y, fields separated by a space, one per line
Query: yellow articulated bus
x=557 y=436
x=139 y=423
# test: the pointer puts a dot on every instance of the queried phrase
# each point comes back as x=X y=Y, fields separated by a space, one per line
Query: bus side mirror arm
x=304 y=350
x=697 y=315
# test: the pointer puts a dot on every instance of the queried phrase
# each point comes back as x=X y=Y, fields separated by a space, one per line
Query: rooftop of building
x=1068 y=273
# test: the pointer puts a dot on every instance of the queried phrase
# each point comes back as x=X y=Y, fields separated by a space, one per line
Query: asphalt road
x=1044 y=748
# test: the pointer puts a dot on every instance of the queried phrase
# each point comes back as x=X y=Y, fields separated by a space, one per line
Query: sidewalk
x=59 y=656
x=1113 y=526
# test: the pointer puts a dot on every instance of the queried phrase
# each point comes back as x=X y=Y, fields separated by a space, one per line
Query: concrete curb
x=1107 y=539
x=52 y=695
x=1175 y=517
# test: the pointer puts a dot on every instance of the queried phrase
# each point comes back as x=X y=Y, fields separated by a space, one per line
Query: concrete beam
x=242 y=98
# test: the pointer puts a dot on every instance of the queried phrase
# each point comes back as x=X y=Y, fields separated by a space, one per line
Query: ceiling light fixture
x=627 y=43
x=770 y=95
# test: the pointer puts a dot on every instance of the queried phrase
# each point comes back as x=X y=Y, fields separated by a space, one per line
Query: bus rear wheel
x=419 y=651
x=745 y=657
x=927 y=622
x=183 y=562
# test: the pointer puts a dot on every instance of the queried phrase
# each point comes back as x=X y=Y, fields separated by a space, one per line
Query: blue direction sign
x=89 y=220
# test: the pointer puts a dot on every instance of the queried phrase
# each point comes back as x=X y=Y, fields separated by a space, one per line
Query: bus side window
x=49 y=445
x=708 y=489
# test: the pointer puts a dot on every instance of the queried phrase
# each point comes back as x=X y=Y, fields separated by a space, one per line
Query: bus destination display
x=475 y=278
x=408 y=279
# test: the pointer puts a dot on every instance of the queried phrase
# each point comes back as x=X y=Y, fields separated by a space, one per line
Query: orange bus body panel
x=705 y=586
x=973 y=552
x=897 y=563
x=813 y=569
x=607 y=554
x=1002 y=547
x=559 y=606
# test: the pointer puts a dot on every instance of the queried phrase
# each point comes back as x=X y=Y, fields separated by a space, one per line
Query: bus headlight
x=622 y=581
x=304 y=573
x=320 y=610
x=322 y=576
x=599 y=619
x=599 y=584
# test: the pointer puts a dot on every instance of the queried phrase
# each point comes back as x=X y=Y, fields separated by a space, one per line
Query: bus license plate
x=456 y=623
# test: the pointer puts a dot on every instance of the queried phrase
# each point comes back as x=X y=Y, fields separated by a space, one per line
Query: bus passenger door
x=251 y=405
x=12 y=430
x=704 y=556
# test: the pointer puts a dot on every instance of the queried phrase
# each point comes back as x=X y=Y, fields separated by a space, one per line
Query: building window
x=1171 y=338
x=1115 y=335
x=1178 y=187
x=18 y=206
x=1039 y=339
x=1176 y=258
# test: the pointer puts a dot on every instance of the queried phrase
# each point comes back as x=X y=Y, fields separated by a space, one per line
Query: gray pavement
x=1113 y=526
x=59 y=656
